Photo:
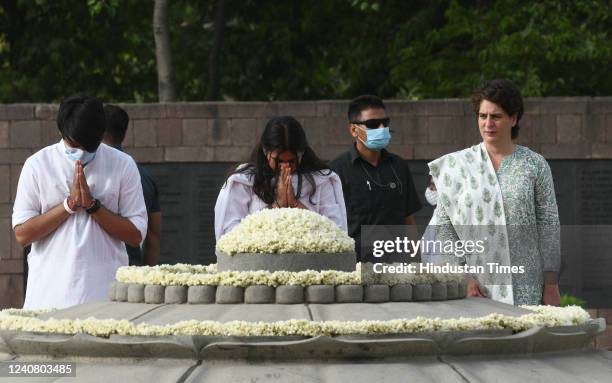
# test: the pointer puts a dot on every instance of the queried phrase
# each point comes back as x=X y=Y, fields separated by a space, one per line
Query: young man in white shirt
x=77 y=202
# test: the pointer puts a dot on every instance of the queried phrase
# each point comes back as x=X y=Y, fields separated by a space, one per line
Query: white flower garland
x=285 y=231
x=542 y=316
x=192 y=275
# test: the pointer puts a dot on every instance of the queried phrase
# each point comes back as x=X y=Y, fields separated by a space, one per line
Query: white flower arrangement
x=285 y=231
x=542 y=316
x=187 y=275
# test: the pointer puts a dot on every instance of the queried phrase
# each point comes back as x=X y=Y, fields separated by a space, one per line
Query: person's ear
x=514 y=119
x=352 y=130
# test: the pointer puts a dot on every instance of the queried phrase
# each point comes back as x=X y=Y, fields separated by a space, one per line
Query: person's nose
x=489 y=122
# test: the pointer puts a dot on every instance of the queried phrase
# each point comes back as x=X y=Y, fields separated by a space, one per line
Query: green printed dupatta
x=470 y=195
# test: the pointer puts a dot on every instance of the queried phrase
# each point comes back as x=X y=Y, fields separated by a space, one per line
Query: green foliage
x=569 y=300
x=547 y=47
x=299 y=50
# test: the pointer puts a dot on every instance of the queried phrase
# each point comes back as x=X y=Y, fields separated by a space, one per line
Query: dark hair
x=503 y=93
x=282 y=134
x=81 y=119
x=117 y=121
x=362 y=103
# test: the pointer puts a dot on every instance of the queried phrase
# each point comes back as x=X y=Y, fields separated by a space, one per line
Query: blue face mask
x=75 y=154
x=377 y=138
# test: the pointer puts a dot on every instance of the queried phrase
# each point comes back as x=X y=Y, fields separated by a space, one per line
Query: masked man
x=377 y=185
x=77 y=202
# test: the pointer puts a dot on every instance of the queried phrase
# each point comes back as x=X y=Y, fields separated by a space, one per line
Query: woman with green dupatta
x=503 y=194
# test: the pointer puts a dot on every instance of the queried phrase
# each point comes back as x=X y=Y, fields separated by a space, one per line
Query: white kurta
x=75 y=263
x=236 y=200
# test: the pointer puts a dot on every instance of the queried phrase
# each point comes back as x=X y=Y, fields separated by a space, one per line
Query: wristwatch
x=94 y=207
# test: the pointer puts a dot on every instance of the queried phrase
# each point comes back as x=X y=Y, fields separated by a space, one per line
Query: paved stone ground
x=573 y=367
x=502 y=356
x=167 y=314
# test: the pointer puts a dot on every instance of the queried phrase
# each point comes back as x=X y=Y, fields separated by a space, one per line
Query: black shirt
x=375 y=195
x=151 y=198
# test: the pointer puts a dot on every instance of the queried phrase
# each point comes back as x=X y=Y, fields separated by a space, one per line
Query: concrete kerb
x=401 y=293
x=289 y=294
x=438 y=291
x=175 y=294
x=421 y=292
x=136 y=293
x=201 y=294
x=229 y=294
x=452 y=290
x=154 y=294
x=376 y=293
x=285 y=294
x=112 y=291
x=320 y=294
x=349 y=293
x=121 y=292
x=259 y=294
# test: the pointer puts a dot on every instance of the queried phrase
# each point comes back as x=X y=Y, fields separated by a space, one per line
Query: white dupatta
x=469 y=192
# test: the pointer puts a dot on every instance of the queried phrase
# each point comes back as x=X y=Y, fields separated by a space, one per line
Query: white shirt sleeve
x=232 y=205
x=332 y=201
x=27 y=200
x=131 y=199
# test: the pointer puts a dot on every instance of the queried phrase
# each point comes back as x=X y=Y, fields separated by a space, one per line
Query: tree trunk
x=163 y=54
x=213 y=92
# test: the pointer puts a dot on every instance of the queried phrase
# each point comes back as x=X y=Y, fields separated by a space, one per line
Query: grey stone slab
x=401 y=293
x=201 y=294
x=376 y=293
x=320 y=347
x=287 y=262
x=289 y=294
x=534 y=340
x=154 y=294
x=121 y=292
x=579 y=366
x=175 y=294
x=320 y=294
x=349 y=293
x=468 y=308
x=259 y=294
x=104 y=370
x=229 y=294
x=102 y=310
x=81 y=345
x=224 y=313
x=417 y=370
x=136 y=293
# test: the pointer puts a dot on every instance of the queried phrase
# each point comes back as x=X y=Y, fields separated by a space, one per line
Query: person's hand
x=291 y=200
x=86 y=198
x=281 y=187
x=74 y=201
x=474 y=288
x=551 y=295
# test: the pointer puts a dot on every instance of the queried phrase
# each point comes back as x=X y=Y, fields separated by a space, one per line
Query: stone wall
x=559 y=128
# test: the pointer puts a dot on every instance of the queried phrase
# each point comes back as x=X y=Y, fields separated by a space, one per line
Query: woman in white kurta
x=284 y=172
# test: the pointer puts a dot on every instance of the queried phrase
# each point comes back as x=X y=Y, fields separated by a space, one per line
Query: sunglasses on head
x=374 y=123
